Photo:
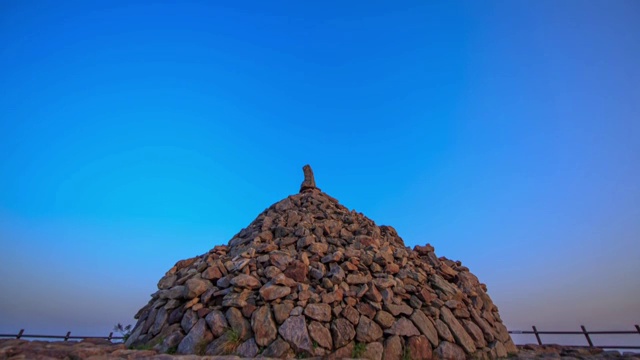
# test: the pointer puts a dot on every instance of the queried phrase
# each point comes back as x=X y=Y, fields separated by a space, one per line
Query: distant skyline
x=136 y=134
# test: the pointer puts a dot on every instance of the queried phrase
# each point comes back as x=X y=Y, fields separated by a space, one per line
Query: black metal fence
x=585 y=333
x=535 y=332
x=66 y=337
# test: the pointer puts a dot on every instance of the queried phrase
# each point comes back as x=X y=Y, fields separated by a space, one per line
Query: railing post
x=535 y=332
x=22 y=332
x=66 y=337
x=110 y=336
x=586 y=334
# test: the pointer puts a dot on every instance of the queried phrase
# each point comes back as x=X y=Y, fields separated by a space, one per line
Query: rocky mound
x=308 y=277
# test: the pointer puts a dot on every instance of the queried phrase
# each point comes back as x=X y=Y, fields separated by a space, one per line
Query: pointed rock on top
x=309 y=182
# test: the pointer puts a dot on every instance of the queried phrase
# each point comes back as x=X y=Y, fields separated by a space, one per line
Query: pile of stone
x=308 y=277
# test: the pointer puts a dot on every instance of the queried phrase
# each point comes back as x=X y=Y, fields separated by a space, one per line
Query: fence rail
x=583 y=332
x=535 y=332
x=66 y=337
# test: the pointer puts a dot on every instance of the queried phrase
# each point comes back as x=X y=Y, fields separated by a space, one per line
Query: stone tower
x=308 y=277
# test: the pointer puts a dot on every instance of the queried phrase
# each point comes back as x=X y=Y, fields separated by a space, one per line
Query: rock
x=373 y=351
x=294 y=331
x=238 y=323
x=309 y=182
x=245 y=281
x=189 y=319
x=392 y=348
x=342 y=332
x=462 y=338
x=278 y=349
x=443 y=331
x=367 y=330
x=271 y=292
x=196 y=340
x=248 y=349
x=351 y=314
x=426 y=327
x=319 y=312
x=402 y=327
x=281 y=312
x=297 y=271
x=264 y=328
x=419 y=348
x=325 y=275
x=217 y=323
x=448 y=351
x=194 y=287
x=320 y=335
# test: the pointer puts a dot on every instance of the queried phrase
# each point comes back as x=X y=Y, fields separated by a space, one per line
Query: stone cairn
x=309 y=278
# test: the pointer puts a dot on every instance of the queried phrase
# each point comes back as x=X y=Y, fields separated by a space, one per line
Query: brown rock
x=384 y=318
x=396 y=310
x=319 y=312
x=367 y=330
x=264 y=328
x=245 y=281
x=351 y=314
x=217 y=323
x=278 y=349
x=449 y=351
x=373 y=351
x=309 y=183
x=239 y=323
x=281 y=312
x=443 y=331
x=392 y=348
x=320 y=335
x=342 y=332
x=419 y=348
x=462 y=338
x=271 y=292
x=248 y=349
x=294 y=331
x=198 y=335
x=426 y=327
x=297 y=271
x=194 y=287
x=403 y=327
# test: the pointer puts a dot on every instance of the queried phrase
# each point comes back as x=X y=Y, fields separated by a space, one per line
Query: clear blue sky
x=135 y=134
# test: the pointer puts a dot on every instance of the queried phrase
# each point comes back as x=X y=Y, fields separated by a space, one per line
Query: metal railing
x=66 y=337
x=584 y=332
x=535 y=332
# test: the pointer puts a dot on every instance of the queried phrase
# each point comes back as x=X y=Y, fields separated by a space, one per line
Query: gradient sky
x=135 y=134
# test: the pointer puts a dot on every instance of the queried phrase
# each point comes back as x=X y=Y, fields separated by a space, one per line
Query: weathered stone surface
x=319 y=312
x=373 y=351
x=194 y=287
x=448 y=351
x=309 y=182
x=419 y=348
x=367 y=330
x=462 y=338
x=320 y=335
x=278 y=349
x=384 y=318
x=264 y=328
x=198 y=335
x=248 y=349
x=281 y=312
x=245 y=281
x=189 y=319
x=443 y=331
x=392 y=348
x=294 y=331
x=238 y=323
x=402 y=327
x=272 y=292
x=426 y=327
x=217 y=323
x=297 y=271
x=342 y=332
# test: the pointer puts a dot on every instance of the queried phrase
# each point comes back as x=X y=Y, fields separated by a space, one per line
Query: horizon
x=137 y=134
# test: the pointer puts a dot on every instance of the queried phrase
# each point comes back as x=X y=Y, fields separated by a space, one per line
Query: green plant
x=172 y=350
x=315 y=345
x=406 y=355
x=201 y=347
x=233 y=341
x=125 y=331
x=358 y=350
